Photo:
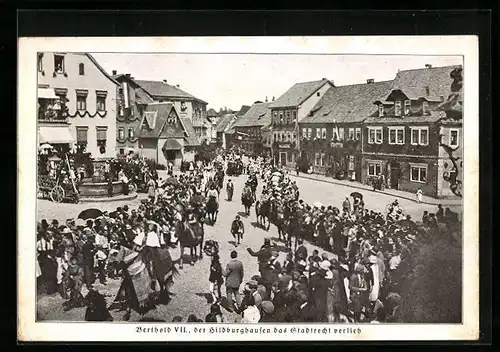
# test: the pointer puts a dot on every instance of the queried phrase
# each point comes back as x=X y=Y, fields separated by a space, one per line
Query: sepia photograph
x=310 y=190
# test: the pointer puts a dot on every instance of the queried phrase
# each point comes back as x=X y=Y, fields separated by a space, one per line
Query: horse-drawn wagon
x=57 y=189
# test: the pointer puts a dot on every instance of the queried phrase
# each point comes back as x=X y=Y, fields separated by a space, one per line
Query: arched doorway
x=393 y=174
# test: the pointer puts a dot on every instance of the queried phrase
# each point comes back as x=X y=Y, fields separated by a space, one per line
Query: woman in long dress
x=151 y=189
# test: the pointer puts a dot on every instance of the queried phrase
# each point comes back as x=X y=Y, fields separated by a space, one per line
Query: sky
x=233 y=80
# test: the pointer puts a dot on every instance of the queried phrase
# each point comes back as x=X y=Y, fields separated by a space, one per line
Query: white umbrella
x=318 y=204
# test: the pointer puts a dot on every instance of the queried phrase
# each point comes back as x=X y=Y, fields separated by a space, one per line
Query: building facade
x=248 y=128
x=90 y=98
x=286 y=112
x=133 y=101
x=331 y=135
x=403 y=142
x=166 y=137
x=187 y=105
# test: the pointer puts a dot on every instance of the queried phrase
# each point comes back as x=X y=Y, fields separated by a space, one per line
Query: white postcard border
x=29 y=330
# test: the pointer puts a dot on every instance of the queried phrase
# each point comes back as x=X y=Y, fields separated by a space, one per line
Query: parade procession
x=149 y=210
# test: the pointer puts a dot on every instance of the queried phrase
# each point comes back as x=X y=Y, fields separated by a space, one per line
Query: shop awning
x=47 y=93
x=54 y=135
x=172 y=144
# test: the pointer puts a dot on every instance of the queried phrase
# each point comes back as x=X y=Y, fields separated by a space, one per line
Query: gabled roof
x=224 y=122
x=157 y=112
x=243 y=110
x=414 y=83
x=257 y=115
x=91 y=58
x=162 y=89
x=141 y=96
x=298 y=93
x=344 y=104
x=212 y=113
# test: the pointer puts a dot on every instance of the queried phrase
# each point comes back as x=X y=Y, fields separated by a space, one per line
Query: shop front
x=285 y=154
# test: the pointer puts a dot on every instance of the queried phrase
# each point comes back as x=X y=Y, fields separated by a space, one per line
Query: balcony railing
x=52 y=116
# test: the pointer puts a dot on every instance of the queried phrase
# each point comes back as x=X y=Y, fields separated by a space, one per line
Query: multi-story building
x=133 y=100
x=248 y=128
x=287 y=111
x=403 y=141
x=88 y=96
x=330 y=136
x=187 y=105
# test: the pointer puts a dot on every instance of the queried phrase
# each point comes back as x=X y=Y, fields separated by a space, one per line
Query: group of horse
x=190 y=232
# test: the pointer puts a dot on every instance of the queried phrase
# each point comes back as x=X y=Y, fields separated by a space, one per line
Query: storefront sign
x=284 y=145
x=336 y=145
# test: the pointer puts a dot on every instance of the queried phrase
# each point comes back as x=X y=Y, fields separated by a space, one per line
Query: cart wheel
x=57 y=194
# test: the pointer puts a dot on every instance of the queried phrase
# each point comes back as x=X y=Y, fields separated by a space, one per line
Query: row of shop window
x=418 y=173
x=418 y=135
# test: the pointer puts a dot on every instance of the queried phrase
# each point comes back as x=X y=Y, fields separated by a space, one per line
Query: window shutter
x=81 y=135
x=101 y=134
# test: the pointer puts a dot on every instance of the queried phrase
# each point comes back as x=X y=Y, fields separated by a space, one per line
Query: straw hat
x=325 y=265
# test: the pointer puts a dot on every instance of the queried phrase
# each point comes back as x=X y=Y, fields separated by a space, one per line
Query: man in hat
x=237 y=229
x=267 y=312
x=358 y=289
x=88 y=252
x=229 y=190
x=263 y=255
x=233 y=273
x=301 y=252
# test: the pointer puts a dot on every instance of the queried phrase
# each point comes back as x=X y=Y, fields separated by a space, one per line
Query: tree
x=453 y=112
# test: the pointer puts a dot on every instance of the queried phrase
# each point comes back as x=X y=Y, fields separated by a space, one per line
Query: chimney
x=128 y=75
x=273 y=98
x=428 y=65
x=370 y=80
x=177 y=86
x=114 y=72
x=266 y=99
x=165 y=81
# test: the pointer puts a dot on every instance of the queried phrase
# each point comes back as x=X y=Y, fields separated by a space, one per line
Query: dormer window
x=425 y=107
x=381 y=110
x=407 y=107
x=397 y=108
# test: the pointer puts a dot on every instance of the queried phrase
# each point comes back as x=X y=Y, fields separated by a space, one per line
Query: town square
x=314 y=201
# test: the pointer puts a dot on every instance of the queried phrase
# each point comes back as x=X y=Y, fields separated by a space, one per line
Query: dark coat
x=234 y=273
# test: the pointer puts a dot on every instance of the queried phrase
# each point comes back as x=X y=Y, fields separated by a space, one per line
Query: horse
x=212 y=209
x=190 y=236
x=278 y=212
x=247 y=199
x=262 y=211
